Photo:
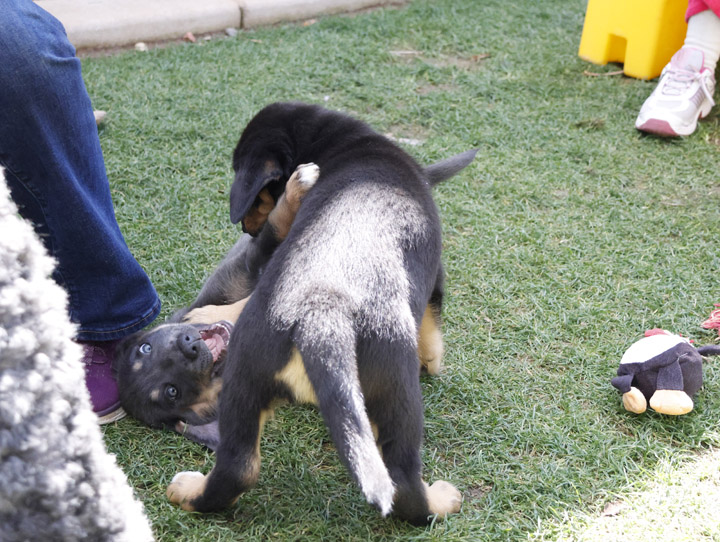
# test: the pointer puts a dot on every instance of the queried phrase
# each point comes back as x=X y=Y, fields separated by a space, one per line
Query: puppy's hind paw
x=184 y=487
x=443 y=498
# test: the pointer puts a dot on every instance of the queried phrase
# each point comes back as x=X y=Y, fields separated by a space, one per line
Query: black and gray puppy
x=339 y=313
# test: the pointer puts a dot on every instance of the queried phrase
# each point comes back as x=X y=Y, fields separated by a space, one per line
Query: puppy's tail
x=449 y=167
x=326 y=341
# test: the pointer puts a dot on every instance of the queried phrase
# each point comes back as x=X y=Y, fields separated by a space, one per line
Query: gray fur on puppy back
x=57 y=482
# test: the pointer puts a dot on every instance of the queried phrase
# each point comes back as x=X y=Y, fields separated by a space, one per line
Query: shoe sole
x=660 y=128
x=664 y=127
x=115 y=415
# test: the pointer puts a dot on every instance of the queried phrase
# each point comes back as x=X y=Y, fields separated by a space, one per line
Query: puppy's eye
x=145 y=348
x=171 y=393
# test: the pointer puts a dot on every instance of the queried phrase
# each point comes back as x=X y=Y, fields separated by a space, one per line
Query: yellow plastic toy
x=643 y=34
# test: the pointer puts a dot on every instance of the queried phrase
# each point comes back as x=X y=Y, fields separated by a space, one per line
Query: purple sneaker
x=100 y=380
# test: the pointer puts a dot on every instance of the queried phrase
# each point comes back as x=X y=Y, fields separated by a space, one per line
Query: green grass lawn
x=568 y=237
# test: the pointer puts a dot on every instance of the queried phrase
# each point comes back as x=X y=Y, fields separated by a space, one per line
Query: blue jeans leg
x=50 y=149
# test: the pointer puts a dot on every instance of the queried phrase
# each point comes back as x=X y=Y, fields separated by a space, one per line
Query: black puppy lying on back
x=336 y=314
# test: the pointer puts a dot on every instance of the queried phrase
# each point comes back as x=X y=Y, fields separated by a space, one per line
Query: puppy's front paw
x=185 y=487
x=203 y=315
x=308 y=174
x=210 y=314
x=443 y=498
x=301 y=181
x=430 y=342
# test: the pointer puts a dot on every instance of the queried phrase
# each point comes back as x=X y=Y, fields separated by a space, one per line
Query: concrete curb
x=98 y=24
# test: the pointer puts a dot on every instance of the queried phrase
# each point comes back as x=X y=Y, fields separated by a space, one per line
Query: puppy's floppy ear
x=249 y=181
x=123 y=351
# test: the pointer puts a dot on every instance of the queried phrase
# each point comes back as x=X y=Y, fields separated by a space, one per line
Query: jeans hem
x=85 y=334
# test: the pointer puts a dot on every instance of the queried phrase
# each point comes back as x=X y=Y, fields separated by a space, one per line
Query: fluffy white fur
x=57 y=481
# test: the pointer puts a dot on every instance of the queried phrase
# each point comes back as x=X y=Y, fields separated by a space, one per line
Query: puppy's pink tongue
x=216 y=338
x=216 y=345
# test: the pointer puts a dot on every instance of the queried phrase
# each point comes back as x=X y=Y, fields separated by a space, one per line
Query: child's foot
x=100 y=380
x=684 y=94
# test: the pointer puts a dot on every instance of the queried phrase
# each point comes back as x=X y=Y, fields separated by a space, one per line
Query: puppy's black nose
x=188 y=345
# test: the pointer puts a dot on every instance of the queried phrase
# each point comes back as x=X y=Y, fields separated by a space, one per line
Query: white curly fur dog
x=57 y=482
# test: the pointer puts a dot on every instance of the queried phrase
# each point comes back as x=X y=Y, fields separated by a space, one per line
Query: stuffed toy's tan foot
x=634 y=401
x=672 y=402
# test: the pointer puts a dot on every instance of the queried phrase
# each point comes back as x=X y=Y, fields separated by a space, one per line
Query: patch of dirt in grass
x=408 y=134
x=464 y=62
x=471 y=62
x=477 y=493
x=429 y=88
x=398 y=4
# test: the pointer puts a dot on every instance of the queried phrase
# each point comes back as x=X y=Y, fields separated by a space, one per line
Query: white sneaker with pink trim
x=683 y=95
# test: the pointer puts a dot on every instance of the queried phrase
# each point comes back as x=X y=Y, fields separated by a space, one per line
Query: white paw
x=187 y=475
x=184 y=487
x=443 y=498
x=308 y=174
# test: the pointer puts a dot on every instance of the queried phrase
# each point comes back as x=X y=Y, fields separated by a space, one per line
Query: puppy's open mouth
x=216 y=338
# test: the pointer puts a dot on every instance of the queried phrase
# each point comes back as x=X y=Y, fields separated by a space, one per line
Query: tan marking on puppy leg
x=293 y=375
x=443 y=498
x=209 y=314
x=265 y=415
x=299 y=183
x=430 y=343
x=206 y=403
x=252 y=471
x=266 y=202
x=257 y=216
x=187 y=486
x=184 y=487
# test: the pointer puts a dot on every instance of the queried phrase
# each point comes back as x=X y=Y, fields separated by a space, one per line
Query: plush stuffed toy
x=663 y=369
